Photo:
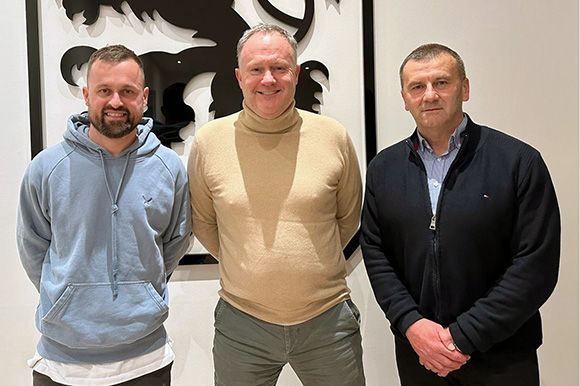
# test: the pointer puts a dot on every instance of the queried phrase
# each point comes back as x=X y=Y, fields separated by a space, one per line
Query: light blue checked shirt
x=438 y=166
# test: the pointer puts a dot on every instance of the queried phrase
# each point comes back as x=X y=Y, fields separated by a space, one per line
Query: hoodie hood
x=77 y=134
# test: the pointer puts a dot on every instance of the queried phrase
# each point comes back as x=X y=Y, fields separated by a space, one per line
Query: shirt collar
x=454 y=140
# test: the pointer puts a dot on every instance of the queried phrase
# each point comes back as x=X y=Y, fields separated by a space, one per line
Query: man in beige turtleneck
x=276 y=196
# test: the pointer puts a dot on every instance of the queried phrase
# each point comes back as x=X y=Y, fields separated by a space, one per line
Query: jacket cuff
x=460 y=339
x=407 y=320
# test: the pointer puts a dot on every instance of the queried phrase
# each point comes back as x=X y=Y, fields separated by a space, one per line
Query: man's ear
x=297 y=72
x=465 y=86
x=86 y=95
x=239 y=77
x=404 y=100
x=145 y=96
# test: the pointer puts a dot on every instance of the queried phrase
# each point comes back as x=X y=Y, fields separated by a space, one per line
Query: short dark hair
x=115 y=53
x=429 y=51
x=267 y=29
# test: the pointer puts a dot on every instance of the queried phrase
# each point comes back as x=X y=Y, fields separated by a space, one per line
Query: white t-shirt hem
x=104 y=374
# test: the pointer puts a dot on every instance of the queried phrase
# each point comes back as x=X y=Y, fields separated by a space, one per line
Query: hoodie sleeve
x=33 y=229
x=177 y=238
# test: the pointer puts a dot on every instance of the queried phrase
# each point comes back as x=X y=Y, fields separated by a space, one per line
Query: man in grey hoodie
x=103 y=221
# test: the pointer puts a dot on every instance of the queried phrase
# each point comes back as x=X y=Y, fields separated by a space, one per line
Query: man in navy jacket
x=460 y=237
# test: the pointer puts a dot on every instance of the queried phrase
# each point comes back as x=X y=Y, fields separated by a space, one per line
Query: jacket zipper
x=432 y=227
x=434 y=218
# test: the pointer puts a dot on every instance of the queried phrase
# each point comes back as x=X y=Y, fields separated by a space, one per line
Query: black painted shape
x=174 y=109
x=201 y=258
x=176 y=115
x=163 y=69
x=168 y=133
x=352 y=245
x=303 y=25
x=308 y=87
x=74 y=57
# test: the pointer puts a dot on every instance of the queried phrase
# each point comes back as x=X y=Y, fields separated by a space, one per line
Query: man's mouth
x=115 y=114
x=268 y=92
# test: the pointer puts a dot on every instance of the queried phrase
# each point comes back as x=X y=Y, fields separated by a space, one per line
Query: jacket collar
x=470 y=137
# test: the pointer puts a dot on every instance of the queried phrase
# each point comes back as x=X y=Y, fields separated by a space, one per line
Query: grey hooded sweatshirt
x=98 y=236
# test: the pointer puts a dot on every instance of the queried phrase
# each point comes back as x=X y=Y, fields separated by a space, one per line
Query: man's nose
x=430 y=93
x=116 y=100
x=268 y=78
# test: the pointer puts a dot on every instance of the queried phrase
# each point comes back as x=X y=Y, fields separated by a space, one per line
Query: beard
x=115 y=129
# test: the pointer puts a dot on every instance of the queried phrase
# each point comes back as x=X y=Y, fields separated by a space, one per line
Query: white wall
x=522 y=60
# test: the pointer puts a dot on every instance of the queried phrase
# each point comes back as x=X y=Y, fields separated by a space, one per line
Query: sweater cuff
x=406 y=321
x=460 y=339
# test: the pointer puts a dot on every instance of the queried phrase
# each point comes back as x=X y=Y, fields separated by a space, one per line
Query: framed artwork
x=189 y=54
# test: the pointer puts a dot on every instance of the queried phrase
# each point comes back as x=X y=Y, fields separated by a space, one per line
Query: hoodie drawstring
x=114 y=209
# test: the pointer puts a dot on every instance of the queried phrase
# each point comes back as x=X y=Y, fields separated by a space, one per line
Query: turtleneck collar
x=282 y=124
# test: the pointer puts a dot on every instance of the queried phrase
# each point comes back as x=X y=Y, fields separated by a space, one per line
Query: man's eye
x=103 y=92
x=128 y=92
x=254 y=70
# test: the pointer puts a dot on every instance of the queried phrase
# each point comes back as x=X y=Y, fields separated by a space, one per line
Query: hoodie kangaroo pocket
x=87 y=315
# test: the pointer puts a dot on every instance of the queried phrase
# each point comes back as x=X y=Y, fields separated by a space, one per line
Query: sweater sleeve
x=349 y=194
x=177 y=238
x=531 y=277
x=204 y=216
x=392 y=296
x=33 y=227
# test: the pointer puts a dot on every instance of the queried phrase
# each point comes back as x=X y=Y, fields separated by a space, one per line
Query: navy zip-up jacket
x=489 y=258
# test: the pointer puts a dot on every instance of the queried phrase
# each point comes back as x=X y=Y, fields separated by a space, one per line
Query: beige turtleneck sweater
x=275 y=201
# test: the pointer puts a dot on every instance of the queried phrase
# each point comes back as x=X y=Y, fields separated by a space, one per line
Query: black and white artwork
x=189 y=54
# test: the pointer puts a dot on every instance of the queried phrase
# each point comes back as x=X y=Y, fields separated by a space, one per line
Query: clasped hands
x=435 y=347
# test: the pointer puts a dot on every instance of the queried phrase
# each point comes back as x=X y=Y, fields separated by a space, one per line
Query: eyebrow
x=123 y=86
x=414 y=83
x=439 y=77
